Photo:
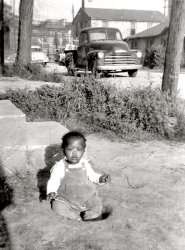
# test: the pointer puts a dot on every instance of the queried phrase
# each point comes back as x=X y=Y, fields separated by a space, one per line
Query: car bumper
x=125 y=67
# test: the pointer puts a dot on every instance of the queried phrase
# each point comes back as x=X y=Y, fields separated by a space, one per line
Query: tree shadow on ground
x=6 y=199
x=53 y=154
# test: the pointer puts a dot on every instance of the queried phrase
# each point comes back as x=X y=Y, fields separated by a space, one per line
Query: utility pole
x=13 y=21
x=1 y=37
x=165 y=6
x=174 y=47
x=73 y=14
x=82 y=14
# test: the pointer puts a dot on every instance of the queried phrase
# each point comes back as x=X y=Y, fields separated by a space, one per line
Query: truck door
x=82 y=50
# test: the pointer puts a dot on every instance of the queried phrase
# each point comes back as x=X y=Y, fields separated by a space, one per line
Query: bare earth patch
x=146 y=194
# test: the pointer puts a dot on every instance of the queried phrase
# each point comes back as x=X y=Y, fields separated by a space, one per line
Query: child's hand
x=51 y=196
x=105 y=178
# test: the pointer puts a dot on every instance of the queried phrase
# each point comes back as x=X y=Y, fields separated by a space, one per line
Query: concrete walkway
x=16 y=82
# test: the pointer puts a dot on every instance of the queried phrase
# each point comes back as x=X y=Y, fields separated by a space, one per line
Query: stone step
x=13 y=137
x=12 y=125
x=43 y=141
x=25 y=145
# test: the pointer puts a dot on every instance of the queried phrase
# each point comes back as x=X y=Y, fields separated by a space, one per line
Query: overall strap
x=65 y=164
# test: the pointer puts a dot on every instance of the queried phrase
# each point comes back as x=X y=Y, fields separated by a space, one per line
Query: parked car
x=38 y=56
x=102 y=50
x=10 y=59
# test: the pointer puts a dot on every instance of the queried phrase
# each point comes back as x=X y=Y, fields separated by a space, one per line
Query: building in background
x=50 y=35
x=144 y=40
x=11 y=30
x=129 y=22
x=155 y=36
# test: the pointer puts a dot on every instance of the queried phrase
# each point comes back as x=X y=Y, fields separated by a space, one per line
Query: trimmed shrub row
x=129 y=113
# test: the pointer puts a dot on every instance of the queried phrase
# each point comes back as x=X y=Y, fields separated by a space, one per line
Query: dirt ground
x=147 y=195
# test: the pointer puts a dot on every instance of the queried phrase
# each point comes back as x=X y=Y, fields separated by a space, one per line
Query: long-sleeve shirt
x=58 y=173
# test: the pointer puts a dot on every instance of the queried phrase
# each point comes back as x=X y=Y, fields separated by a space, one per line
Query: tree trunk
x=174 y=47
x=1 y=37
x=25 y=32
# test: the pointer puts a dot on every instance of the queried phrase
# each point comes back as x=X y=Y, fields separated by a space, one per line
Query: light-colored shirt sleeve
x=57 y=173
x=91 y=174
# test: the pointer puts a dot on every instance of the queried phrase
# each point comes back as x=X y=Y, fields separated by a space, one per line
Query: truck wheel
x=105 y=73
x=70 y=67
x=132 y=73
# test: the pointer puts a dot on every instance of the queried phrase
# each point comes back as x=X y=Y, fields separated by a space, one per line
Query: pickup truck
x=101 y=51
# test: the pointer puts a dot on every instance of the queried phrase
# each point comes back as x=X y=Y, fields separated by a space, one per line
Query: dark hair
x=72 y=135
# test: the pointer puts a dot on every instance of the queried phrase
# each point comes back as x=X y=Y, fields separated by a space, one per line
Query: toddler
x=71 y=186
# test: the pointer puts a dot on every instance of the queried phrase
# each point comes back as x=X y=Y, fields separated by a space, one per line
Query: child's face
x=74 y=150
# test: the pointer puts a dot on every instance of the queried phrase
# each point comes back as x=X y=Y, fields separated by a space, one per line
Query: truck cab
x=102 y=50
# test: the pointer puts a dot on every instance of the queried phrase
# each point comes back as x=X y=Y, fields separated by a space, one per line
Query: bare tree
x=25 y=32
x=174 y=47
x=1 y=36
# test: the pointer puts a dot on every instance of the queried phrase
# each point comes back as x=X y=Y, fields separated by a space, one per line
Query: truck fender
x=92 y=54
x=69 y=55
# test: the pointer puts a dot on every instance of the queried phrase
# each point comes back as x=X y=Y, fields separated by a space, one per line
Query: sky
x=59 y=9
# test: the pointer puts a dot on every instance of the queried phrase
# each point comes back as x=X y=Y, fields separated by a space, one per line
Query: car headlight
x=100 y=54
x=139 y=54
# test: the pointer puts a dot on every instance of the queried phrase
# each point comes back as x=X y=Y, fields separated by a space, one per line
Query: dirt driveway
x=147 y=195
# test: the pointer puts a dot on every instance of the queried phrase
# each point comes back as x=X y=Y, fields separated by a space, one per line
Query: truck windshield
x=104 y=34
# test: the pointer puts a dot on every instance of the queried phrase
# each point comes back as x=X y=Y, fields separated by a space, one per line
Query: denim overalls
x=77 y=194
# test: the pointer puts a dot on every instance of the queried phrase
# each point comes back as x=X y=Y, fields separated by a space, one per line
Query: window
x=149 y=44
x=133 y=28
x=113 y=34
x=104 y=34
x=149 y=25
x=134 y=45
x=163 y=42
x=97 y=35
x=105 y=23
x=83 y=38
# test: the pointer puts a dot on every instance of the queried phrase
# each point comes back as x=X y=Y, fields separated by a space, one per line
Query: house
x=144 y=40
x=155 y=36
x=50 y=35
x=129 y=22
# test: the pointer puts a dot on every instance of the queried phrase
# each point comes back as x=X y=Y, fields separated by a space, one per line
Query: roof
x=51 y=24
x=125 y=15
x=100 y=28
x=154 y=31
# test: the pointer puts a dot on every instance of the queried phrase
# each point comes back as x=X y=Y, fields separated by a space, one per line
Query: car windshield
x=104 y=34
x=36 y=48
